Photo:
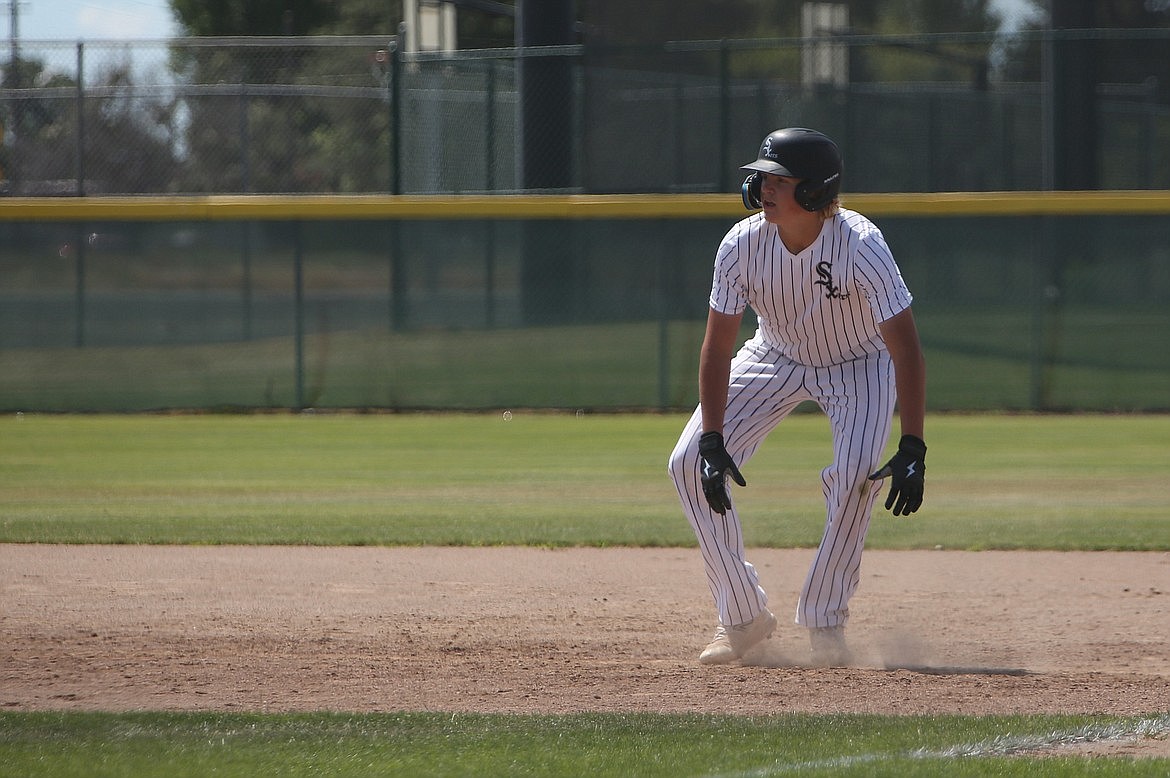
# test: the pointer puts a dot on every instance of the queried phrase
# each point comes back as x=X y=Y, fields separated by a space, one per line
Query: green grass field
x=994 y=481
x=599 y=746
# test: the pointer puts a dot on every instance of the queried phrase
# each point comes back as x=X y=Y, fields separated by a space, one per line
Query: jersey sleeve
x=879 y=278
x=728 y=290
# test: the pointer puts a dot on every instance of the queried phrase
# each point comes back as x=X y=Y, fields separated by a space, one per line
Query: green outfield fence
x=1036 y=301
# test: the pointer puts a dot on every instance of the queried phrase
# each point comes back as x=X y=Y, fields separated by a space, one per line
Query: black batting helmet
x=798 y=153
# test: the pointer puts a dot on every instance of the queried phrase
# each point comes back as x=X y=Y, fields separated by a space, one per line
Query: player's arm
x=907 y=469
x=901 y=336
x=714 y=371
x=715 y=366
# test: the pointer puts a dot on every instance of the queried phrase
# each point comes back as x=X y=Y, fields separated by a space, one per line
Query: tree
x=266 y=126
x=247 y=130
x=129 y=138
x=217 y=18
x=486 y=25
x=127 y=142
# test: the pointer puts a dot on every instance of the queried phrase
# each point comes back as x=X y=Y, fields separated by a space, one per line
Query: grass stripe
x=1006 y=745
x=1094 y=732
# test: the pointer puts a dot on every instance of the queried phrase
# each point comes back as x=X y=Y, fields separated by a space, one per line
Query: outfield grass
x=993 y=481
x=599 y=746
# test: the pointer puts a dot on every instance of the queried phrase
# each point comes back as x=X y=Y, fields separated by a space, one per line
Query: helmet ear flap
x=813 y=196
x=751 y=192
x=807 y=197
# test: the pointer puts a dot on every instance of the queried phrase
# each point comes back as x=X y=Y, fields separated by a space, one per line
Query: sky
x=75 y=20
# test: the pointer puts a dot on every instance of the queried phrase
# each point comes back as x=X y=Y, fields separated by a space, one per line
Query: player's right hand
x=717 y=465
x=907 y=474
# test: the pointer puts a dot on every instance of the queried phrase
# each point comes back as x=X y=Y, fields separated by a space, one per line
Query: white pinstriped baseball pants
x=858 y=397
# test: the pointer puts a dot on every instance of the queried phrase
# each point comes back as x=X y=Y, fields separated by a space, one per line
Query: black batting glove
x=717 y=465
x=907 y=473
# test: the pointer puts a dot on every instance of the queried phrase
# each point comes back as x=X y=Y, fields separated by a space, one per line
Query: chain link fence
x=356 y=115
x=335 y=310
x=1016 y=312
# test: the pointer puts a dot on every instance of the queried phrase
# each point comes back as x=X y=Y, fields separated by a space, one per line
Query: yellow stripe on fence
x=649 y=206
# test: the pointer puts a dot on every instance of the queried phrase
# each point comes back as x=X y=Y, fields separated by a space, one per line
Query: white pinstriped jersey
x=820 y=307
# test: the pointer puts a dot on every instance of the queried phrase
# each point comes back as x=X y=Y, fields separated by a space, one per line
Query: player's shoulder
x=746 y=227
x=753 y=223
x=856 y=230
x=850 y=221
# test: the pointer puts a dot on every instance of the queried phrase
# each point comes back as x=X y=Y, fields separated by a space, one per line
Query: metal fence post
x=80 y=242
x=79 y=239
x=724 y=116
x=490 y=126
x=79 y=147
x=245 y=141
x=299 y=314
x=663 y=294
x=396 y=112
x=489 y=273
x=1036 y=345
x=246 y=279
x=489 y=185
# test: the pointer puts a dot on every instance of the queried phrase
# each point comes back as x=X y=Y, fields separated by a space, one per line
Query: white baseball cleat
x=828 y=647
x=731 y=643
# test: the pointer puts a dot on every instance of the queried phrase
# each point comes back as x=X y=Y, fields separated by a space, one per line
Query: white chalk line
x=1006 y=745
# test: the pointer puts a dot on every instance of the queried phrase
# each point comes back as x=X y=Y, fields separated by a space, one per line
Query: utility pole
x=14 y=27
x=546 y=94
x=1073 y=74
x=546 y=138
x=9 y=131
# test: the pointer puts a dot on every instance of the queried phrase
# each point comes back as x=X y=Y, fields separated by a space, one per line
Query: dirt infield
x=534 y=630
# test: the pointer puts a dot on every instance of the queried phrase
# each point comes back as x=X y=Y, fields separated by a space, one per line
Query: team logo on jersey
x=832 y=291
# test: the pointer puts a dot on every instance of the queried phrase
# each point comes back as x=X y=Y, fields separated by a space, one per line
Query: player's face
x=778 y=195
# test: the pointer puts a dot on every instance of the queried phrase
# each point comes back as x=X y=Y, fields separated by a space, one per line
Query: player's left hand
x=717 y=466
x=907 y=473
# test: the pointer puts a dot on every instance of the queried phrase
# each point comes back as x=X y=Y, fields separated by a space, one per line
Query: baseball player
x=835 y=327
